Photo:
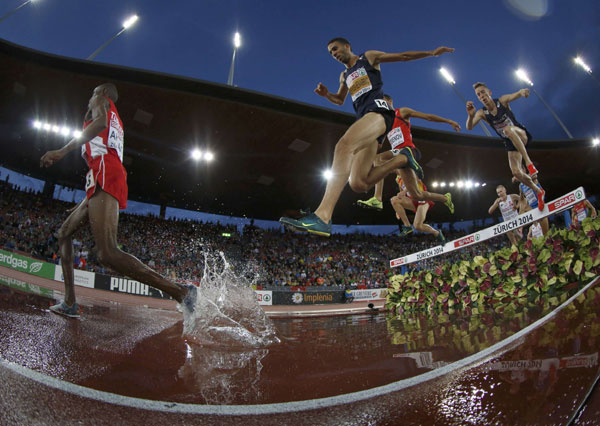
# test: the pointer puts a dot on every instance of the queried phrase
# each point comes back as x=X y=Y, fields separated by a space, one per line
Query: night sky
x=284 y=49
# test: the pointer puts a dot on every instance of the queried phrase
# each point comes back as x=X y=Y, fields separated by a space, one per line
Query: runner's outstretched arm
x=99 y=123
x=409 y=112
x=377 y=57
x=506 y=99
x=473 y=116
x=335 y=98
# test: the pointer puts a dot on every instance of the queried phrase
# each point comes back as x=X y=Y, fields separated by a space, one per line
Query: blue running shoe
x=310 y=223
x=189 y=301
x=65 y=310
x=412 y=163
x=441 y=237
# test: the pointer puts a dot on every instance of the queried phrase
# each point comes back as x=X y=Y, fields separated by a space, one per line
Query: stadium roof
x=269 y=151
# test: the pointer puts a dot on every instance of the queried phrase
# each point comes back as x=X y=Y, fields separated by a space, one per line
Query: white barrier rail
x=551 y=207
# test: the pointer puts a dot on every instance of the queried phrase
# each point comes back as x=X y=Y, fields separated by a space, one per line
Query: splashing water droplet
x=226 y=311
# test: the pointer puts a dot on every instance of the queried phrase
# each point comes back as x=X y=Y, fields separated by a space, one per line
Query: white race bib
x=89 y=180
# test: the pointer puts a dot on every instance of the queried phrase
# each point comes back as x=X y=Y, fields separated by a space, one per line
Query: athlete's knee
x=418 y=196
x=107 y=256
x=358 y=184
x=518 y=173
x=419 y=226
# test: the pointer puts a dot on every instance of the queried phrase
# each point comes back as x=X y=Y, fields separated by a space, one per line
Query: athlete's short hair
x=341 y=40
x=500 y=186
x=111 y=91
x=480 y=84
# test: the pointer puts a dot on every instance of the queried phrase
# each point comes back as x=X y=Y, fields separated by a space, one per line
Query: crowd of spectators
x=29 y=223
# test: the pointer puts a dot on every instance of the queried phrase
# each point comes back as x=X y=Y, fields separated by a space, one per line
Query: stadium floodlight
x=582 y=64
x=522 y=75
x=208 y=156
x=55 y=129
x=476 y=184
x=434 y=184
x=442 y=184
x=130 y=21
x=327 y=174
x=196 y=154
x=451 y=184
x=65 y=131
x=483 y=184
x=469 y=184
x=448 y=77
x=237 y=42
x=76 y=133
x=127 y=24
x=37 y=124
x=595 y=141
x=6 y=15
x=460 y=184
x=47 y=126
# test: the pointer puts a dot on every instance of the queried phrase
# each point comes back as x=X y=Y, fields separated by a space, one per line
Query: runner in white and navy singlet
x=366 y=90
x=356 y=150
x=504 y=117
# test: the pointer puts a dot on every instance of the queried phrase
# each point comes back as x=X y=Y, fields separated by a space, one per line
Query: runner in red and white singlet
x=104 y=157
x=404 y=201
x=401 y=143
x=101 y=144
x=580 y=211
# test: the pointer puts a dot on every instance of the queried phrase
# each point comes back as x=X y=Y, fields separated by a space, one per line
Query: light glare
x=469 y=184
x=47 y=126
x=37 y=124
x=196 y=154
x=130 y=21
x=447 y=75
x=522 y=75
x=596 y=141
x=56 y=129
x=451 y=184
x=237 y=40
x=208 y=156
x=76 y=133
x=582 y=64
x=442 y=184
x=327 y=174
x=65 y=131
x=434 y=184
x=460 y=184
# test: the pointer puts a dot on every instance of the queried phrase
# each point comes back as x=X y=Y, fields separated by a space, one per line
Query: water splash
x=227 y=312
x=223 y=375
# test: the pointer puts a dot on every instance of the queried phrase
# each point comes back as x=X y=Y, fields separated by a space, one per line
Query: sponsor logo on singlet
x=358 y=83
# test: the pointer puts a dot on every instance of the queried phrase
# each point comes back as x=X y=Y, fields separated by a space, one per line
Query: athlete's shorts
x=389 y=116
x=107 y=172
x=416 y=204
x=508 y=145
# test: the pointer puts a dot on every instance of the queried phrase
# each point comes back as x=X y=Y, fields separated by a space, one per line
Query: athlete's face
x=340 y=51
x=501 y=193
x=484 y=95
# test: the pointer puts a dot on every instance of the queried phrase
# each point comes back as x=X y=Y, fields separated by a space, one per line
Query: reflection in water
x=227 y=312
x=223 y=376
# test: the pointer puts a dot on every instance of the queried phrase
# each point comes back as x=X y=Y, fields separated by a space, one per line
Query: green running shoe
x=412 y=163
x=449 y=202
x=371 y=203
x=405 y=230
x=441 y=237
x=310 y=223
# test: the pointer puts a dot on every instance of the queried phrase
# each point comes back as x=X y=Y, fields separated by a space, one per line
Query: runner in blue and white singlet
x=355 y=152
x=515 y=137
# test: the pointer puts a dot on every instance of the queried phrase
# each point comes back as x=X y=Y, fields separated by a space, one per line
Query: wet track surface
x=539 y=378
